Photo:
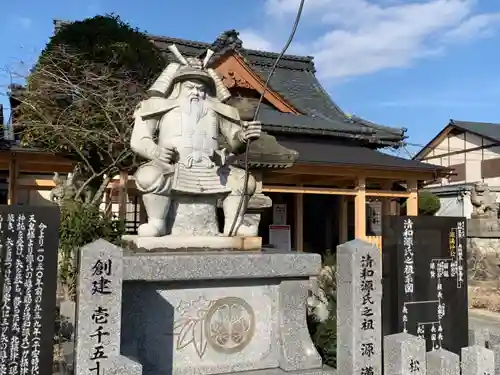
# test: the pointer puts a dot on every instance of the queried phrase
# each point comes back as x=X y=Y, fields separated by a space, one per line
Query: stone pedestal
x=197 y=243
x=207 y=313
x=193 y=215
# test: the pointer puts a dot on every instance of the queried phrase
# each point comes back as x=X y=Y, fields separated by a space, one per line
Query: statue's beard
x=194 y=108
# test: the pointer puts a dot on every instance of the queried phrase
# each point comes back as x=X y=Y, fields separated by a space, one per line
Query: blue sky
x=401 y=63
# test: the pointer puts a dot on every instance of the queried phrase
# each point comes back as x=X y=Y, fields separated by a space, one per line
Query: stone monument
x=179 y=130
x=194 y=313
x=181 y=310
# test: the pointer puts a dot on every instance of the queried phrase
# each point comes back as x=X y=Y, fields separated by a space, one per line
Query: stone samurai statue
x=176 y=129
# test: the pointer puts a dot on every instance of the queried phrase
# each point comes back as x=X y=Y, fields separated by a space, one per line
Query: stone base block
x=212 y=313
x=197 y=243
x=194 y=215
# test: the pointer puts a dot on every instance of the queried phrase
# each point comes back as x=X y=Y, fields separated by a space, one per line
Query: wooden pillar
x=343 y=220
x=412 y=202
x=12 y=186
x=299 y=222
x=360 y=210
x=122 y=195
x=387 y=201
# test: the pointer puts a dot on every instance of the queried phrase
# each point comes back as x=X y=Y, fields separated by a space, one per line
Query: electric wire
x=257 y=109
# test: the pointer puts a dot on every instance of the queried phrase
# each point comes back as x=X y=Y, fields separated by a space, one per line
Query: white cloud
x=482 y=25
x=253 y=40
x=355 y=37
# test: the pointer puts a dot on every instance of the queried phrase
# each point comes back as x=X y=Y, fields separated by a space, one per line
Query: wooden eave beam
x=234 y=64
x=26 y=183
x=354 y=171
x=333 y=191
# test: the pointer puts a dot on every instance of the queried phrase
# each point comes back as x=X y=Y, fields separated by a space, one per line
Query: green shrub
x=82 y=224
x=428 y=203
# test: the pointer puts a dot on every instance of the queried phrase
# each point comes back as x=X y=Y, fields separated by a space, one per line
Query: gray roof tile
x=341 y=154
x=485 y=129
x=295 y=81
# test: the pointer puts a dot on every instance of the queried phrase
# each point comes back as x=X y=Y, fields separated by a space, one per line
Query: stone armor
x=195 y=172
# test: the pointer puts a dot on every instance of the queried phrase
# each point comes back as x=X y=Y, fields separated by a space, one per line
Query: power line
x=266 y=85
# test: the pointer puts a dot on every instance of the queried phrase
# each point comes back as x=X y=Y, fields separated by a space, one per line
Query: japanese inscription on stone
x=427 y=259
x=98 y=309
x=359 y=315
x=28 y=244
x=101 y=285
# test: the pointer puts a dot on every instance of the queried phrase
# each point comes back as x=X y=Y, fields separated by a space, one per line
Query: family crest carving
x=227 y=325
x=177 y=131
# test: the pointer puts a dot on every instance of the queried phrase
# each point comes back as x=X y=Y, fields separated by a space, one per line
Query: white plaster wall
x=455 y=206
x=472 y=159
x=450 y=206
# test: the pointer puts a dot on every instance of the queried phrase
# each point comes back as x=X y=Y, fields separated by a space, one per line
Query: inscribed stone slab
x=477 y=360
x=359 y=321
x=28 y=242
x=426 y=279
x=404 y=354
x=496 y=353
x=478 y=336
x=99 y=312
x=442 y=362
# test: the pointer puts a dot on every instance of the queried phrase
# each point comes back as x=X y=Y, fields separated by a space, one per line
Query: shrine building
x=339 y=184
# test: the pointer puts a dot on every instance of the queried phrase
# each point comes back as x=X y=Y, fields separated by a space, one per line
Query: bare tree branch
x=79 y=107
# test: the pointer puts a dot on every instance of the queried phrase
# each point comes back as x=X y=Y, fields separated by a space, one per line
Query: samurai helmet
x=186 y=69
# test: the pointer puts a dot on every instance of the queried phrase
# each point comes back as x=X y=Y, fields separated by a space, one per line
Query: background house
x=472 y=150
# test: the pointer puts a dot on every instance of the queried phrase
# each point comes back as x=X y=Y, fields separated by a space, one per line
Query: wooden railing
x=376 y=240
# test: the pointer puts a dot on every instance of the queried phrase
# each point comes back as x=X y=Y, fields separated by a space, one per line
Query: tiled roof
x=295 y=80
x=485 y=129
x=311 y=151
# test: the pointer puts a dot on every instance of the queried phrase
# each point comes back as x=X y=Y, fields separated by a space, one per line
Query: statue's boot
x=230 y=207
x=157 y=209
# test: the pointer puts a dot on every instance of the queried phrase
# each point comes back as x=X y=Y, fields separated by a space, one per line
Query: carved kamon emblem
x=226 y=325
x=229 y=325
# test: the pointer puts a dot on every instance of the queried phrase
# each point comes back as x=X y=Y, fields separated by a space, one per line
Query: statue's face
x=194 y=90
